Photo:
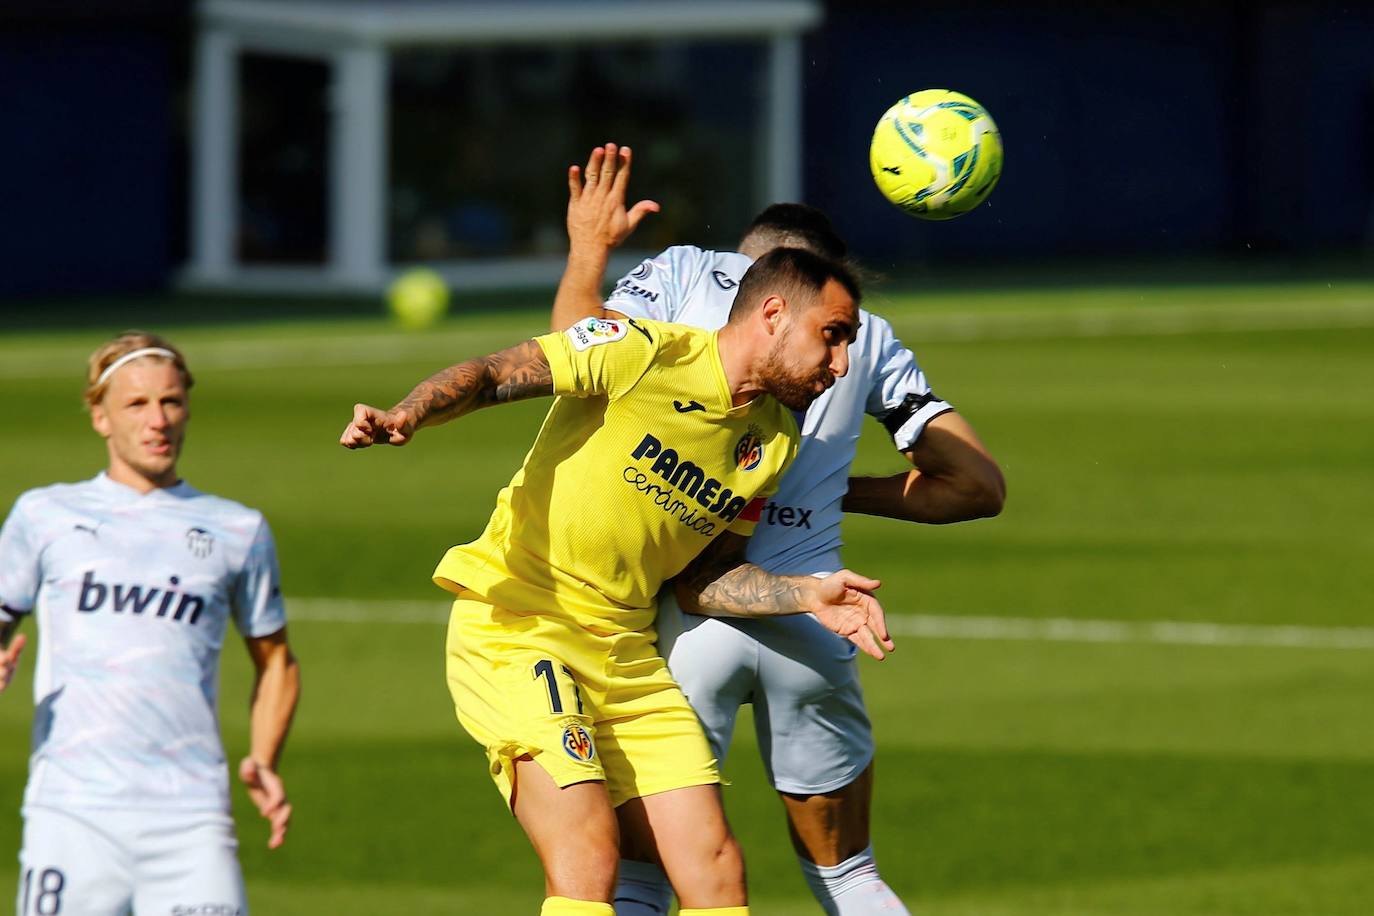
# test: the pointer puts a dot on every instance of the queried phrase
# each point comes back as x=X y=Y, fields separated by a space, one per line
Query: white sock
x=642 y=890
x=852 y=888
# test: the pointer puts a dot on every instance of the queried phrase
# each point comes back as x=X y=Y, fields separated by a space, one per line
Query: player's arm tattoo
x=514 y=374
x=721 y=583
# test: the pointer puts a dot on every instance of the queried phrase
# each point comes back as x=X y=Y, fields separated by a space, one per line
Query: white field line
x=932 y=626
x=1166 y=632
x=278 y=354
x=1143 y=322
x=357 y=350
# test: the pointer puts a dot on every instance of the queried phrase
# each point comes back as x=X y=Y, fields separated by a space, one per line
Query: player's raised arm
x=955 y=479
x=721 y=583
x=597 y=224
x=514 y=374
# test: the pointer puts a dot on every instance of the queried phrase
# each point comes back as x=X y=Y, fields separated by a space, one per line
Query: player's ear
x=100 y=420
x=772 y=309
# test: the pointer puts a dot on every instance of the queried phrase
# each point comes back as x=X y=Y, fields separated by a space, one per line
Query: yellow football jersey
x=640 y=463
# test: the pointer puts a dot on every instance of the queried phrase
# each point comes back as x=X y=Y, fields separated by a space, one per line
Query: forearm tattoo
x=515 y=374
x=721 y=582
x=748 y=591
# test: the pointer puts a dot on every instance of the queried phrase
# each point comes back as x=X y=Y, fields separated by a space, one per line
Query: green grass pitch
x=1189 y=453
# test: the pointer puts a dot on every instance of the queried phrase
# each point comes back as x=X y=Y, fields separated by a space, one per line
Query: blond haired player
x=133 y=577
x=654 y=459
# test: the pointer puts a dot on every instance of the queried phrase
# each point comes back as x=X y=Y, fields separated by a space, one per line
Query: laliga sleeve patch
x=592 y=331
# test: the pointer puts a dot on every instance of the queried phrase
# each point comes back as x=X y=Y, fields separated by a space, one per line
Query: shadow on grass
x=946 y=821
x=960 y=820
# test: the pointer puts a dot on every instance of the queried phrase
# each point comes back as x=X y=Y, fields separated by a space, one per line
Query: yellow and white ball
x=936 y=154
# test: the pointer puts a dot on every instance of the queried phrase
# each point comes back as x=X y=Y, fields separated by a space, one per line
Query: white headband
x=130 y=357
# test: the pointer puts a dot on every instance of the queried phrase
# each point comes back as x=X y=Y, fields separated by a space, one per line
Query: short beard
x=792 y=392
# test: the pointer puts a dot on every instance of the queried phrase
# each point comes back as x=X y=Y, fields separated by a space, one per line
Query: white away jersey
x=132 y=593
x=799 y=532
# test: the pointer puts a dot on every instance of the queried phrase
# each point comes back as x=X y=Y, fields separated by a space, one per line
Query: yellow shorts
x=584 y=705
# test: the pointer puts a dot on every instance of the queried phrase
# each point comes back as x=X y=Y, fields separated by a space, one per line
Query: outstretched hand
x=267 y=792
x=371 y=426
x=847 y=606
x=9 y=659
x=596 y=200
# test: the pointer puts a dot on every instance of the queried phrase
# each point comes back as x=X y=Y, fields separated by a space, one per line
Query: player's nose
x=157 y=417
x=839 y=360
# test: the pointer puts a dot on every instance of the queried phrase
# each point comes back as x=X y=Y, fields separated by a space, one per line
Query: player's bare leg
x=830 y=833
x=827 y=829
x=685 y=831
x=573 y=831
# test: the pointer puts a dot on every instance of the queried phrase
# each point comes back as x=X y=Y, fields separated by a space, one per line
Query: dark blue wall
x=1188 y=128
x=85 y=166
x=1313 y=127
x=1168 y=127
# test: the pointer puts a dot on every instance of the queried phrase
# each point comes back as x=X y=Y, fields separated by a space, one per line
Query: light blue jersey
x=813 y=731
x=132 y=594
x=799 y=532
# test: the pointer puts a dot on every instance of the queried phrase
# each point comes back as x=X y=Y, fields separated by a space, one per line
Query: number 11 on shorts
x=544 y=668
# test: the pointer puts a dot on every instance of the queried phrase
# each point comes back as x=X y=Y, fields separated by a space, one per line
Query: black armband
x=911 y=405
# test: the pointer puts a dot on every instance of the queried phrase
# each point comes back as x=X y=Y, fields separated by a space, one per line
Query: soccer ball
x=418 y=298
x=936 y=154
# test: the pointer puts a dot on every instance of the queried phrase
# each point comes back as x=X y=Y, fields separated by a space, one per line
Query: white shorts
x=802 y=679
x=99 y=862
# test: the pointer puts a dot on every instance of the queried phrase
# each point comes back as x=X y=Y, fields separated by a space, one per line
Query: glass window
x=481 y=139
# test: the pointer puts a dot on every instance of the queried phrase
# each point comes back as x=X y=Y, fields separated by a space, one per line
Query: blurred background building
x=152 y=143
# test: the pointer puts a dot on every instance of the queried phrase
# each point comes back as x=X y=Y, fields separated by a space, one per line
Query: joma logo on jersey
x=137 y=599
x=690 y=478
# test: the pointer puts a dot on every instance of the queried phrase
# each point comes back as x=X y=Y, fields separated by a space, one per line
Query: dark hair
x=796 y=226
x=787 y=272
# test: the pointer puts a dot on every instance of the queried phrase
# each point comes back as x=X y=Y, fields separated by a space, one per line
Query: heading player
x=654 y=459
x=133 y=577
x=809 y=715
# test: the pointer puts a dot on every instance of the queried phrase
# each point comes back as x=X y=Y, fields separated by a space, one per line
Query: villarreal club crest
x=577 y=742
x=749 y=449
